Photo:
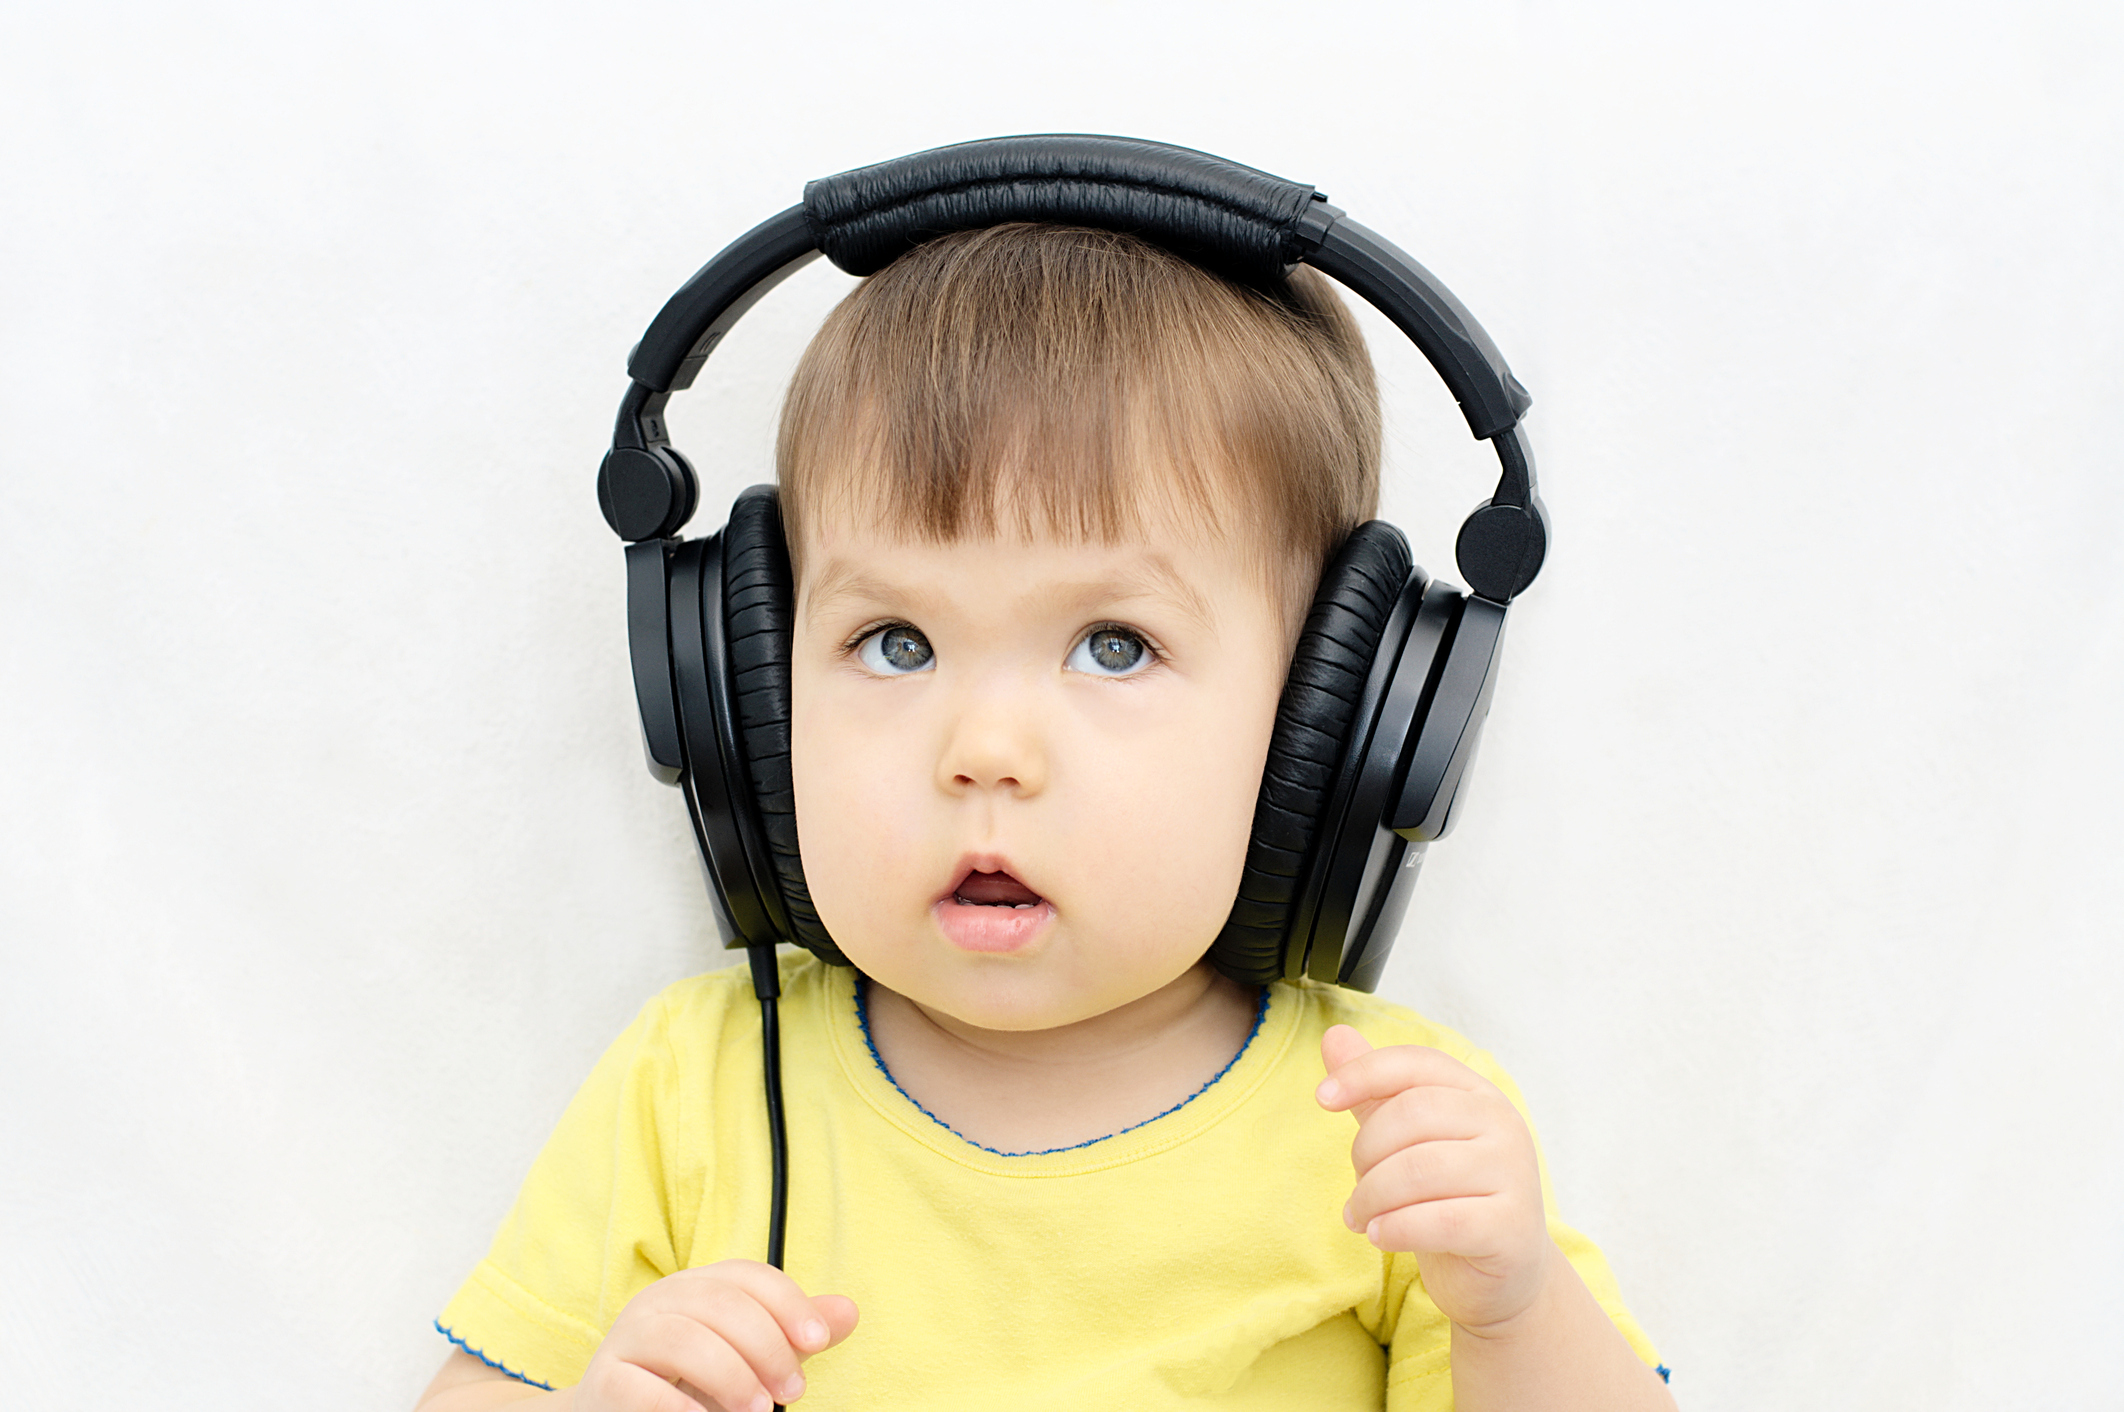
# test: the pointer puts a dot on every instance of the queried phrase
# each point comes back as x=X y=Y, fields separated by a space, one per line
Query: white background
x=1787 y=888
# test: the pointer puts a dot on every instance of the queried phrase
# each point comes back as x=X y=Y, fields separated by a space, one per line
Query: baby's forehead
x=845 y=557
x=1007 y=580
x=1151 y=531
x=1139 y=513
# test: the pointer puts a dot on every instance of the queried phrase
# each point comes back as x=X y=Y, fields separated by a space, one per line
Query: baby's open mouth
x=994 y=890
x=993 y=912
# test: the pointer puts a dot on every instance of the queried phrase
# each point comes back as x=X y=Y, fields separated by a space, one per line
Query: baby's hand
x=1445 y=1170
x=726 y=1336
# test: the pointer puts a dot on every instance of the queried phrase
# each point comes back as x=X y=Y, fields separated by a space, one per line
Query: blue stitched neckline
x=862 y=983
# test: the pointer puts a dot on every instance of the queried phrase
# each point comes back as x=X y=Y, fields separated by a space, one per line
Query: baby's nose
x=996 y=743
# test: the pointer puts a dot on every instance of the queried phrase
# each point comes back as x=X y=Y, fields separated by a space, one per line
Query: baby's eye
x=896 y=651
x=1110 y=652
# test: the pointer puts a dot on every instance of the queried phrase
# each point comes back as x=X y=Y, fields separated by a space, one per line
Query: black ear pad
x=759 y=612
x=1313 y=727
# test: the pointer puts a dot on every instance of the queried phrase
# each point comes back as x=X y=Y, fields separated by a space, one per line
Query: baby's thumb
x=1340 y=1045
x=839 y=1312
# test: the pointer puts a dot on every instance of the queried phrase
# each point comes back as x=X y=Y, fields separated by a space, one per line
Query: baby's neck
x=1035 y=1090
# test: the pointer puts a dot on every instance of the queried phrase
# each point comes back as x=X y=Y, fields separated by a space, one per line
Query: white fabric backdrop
x=1788 y=887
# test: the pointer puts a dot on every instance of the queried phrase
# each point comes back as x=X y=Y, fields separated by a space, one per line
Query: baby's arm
x=727 y=1337
x=1446 y=1171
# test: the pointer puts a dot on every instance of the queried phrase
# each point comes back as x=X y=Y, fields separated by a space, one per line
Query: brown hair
x=1065 y=379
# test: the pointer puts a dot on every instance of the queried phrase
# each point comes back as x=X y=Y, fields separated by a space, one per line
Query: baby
x=1056 y=503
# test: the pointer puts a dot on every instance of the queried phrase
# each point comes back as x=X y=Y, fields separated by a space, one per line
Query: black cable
x=767 y=985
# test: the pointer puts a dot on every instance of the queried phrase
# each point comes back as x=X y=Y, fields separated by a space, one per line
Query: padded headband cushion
x=759 y=599
x=1223 y=215
x=1313 y=727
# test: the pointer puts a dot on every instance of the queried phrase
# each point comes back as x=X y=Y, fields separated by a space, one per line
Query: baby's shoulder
x=1382 y=1022
x=706 y=1010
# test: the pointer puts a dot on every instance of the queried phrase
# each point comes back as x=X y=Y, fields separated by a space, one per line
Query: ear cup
x=1314 y=723
x=759 y=611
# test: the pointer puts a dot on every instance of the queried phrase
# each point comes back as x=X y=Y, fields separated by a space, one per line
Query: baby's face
x=1025 y=770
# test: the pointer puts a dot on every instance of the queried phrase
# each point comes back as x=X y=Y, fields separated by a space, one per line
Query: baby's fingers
x=1431 y=1171
x=1340 y=1045
x=1422 y=1115
x=726 y=1349
x=1371 y=1075
x=802 y=1323
x=730 y=1335
x=839 y=1312
x=1454 y=1225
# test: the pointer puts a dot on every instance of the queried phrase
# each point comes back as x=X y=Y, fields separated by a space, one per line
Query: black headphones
x=1392 y=674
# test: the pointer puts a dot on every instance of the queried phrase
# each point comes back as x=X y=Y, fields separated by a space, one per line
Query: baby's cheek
x=858 y=831
x=828 y=807
x=1169 y=850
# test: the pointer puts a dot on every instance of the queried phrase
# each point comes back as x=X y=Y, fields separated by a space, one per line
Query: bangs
x=1084 y=384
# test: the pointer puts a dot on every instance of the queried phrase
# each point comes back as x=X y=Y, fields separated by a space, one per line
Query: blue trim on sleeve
x=520 y=1377
x=862 y=986
x=1666 y=1375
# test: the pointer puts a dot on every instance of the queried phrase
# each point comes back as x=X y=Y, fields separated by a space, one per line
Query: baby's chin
x=994 y=999
x=1004 y=996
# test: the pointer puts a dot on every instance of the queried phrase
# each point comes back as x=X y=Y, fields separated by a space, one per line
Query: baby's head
x=1056 y=502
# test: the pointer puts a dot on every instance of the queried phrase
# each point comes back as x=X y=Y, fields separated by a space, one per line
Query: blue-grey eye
x=896 y=651
x=1109 y=652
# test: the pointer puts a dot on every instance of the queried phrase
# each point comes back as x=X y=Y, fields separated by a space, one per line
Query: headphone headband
x=1231 y=217
x=1245 y=223
x=1241 y=222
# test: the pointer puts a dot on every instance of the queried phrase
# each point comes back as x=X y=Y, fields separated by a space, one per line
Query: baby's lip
x=994 y=890
x=989 y=878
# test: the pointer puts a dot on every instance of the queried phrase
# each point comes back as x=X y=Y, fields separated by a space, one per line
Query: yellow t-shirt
x=1198 y=1259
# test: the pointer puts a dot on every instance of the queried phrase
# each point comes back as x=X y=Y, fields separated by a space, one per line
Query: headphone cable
x=767 y=985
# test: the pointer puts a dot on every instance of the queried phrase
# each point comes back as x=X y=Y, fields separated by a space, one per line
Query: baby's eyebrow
x=1155 y=577
x=842 y=579
x=1152 y=577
